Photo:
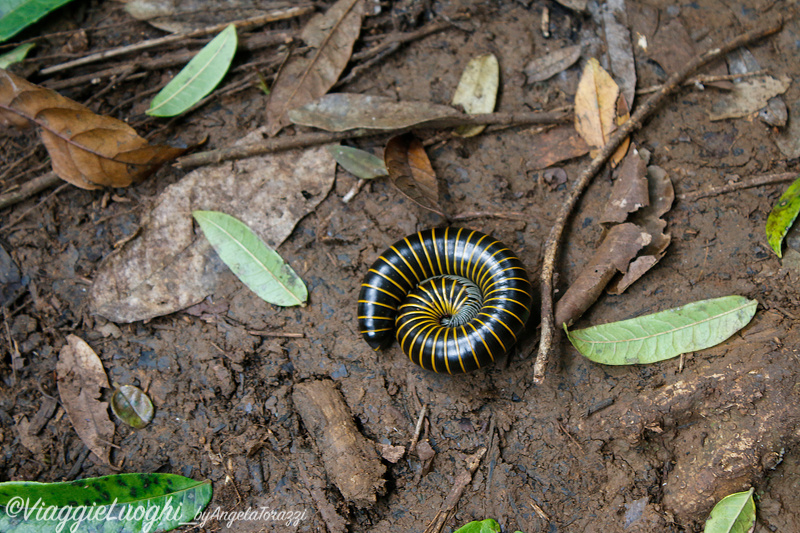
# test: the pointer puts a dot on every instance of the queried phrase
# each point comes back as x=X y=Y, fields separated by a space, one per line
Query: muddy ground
x=594 y=448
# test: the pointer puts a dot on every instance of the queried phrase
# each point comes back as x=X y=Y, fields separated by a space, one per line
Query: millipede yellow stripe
x=397 y=270
x=384 y=276
x=502 y=345
x=476 y=248
x=483 y=341
x=383 y=291
x=498 y=319
x=427 y=255
x=392 y=307
x=446 y=358
x=414 y=253
x=403 y=259
x=433 y=352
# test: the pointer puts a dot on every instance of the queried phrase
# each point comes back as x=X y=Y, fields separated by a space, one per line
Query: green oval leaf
x=733 y=514
x=477 y=90
x=357 y=162
x=198 y=78
x=16 y=15
x=256 y=264
x=660 y=336
x=121 y=502
x=783 y=216
x=483 y=526
x=132 y=406
x=16 y=55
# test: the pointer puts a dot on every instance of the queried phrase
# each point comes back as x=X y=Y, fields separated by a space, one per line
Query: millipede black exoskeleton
x=457 y=299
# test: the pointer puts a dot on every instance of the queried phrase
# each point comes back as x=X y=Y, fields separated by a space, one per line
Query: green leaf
x=121 y=502
x=198 y=78
x=783 y=216
x=132 y=406
x=357 y=162
x=16 y=15
x=733 y=514
x=484 y=526
x=16 y=55
x=256 y=264
x=666 y=334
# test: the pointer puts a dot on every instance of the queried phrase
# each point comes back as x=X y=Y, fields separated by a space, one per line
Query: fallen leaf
x=476 y=92
x=575 y=5
x=553 y=146
x=629 y=192
x=357 y=162
x=748 y=96
x=619 y=47
x=87 y=150
x=198 y=78
x=782 y=217
x=666 y=334
x=735 y=513
x=80 y=379
x=547 y=66
x=484 y=526
x=742 y=61
x=411 y=172
x=304 y=79
x=346 y=111
x=35 y=445
x=596 y=105
x=788 y=141
x=169 y=267
x=16 y=15
x=16 y=55
x=132 y=406
x=256 y=265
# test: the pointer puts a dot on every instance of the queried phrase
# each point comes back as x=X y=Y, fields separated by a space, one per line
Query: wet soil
x=594 y=448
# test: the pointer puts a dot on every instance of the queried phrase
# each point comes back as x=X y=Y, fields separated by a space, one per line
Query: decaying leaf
x=617 y=250
x=87 y=150
x=788 y=141
x=346 y=111
x=742 y=61
x=477 y=90
x=629 y=193
x=596 y=106
x=748 y=96
x=80 y=379
x=666 y=334
x=411 y=172
x=553 y=146
x=545 y=67
x=132 y=406
x=357 y=162
x=169 y=267
x=305 y=78
x=620 y=49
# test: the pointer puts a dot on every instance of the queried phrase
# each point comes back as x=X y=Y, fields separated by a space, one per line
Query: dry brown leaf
x=629 y=193
x=304 y=79
x=80 y=379
x=596 y=106
x=614 y=254
x=546 y=67
x=619 y=48
x=411 y=172
x=87 y=150
x=553 y=146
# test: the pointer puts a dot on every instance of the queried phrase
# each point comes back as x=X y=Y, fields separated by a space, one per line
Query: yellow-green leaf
x=659 y=336
x=16 y=55
x=357 y=162
x=132 y=406
x=783 y=216
x=733 y=514
x=477 y=90
x=198 y=78
x=257 y=265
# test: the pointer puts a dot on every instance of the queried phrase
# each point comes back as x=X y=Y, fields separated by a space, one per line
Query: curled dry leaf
x=629 y=193
x=305 y=78
x=80 y=379
x=411 y=172
x=87 y=150
x=555 y=145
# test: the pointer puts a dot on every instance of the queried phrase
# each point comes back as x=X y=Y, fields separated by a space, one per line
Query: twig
x=37 y=206
x=28 y=189
x=357 y=186
x=766 y=179
x=548 y=336
x=305 y=140
x=418 y=429
x=152 y=43
x=448 y=508
x=703 y=80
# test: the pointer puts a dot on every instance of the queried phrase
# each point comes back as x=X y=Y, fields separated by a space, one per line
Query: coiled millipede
x=457 y=298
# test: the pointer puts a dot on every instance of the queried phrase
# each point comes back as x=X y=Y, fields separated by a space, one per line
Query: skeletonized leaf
x=256 y=264
x=546 y=67
x=80 y=379
x=198 y=78
x=168 y=499
x=357 y=162
x=596 y=105
x=16 y=55
x=735 y=513
x=483 y=526
x=16 y=15
x=88 y=150
x=660 y=336
x=346 y=111
x=783 y=216
x=132 y=406
x=411 y=172
x=477 y=90
x=303 y=79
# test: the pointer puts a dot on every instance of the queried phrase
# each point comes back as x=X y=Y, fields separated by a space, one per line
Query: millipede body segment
x=456 y=298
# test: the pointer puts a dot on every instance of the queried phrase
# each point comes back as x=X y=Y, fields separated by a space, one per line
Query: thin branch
x=766 y=179
x=674 y=82
x=704 y=80
x=29 y=188
x=152 y=43
x=305 y=140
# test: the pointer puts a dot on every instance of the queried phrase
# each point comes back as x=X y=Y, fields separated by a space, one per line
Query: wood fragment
x=549 y=332
x=418 y=429
x=766 y=179
x=350 y=459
